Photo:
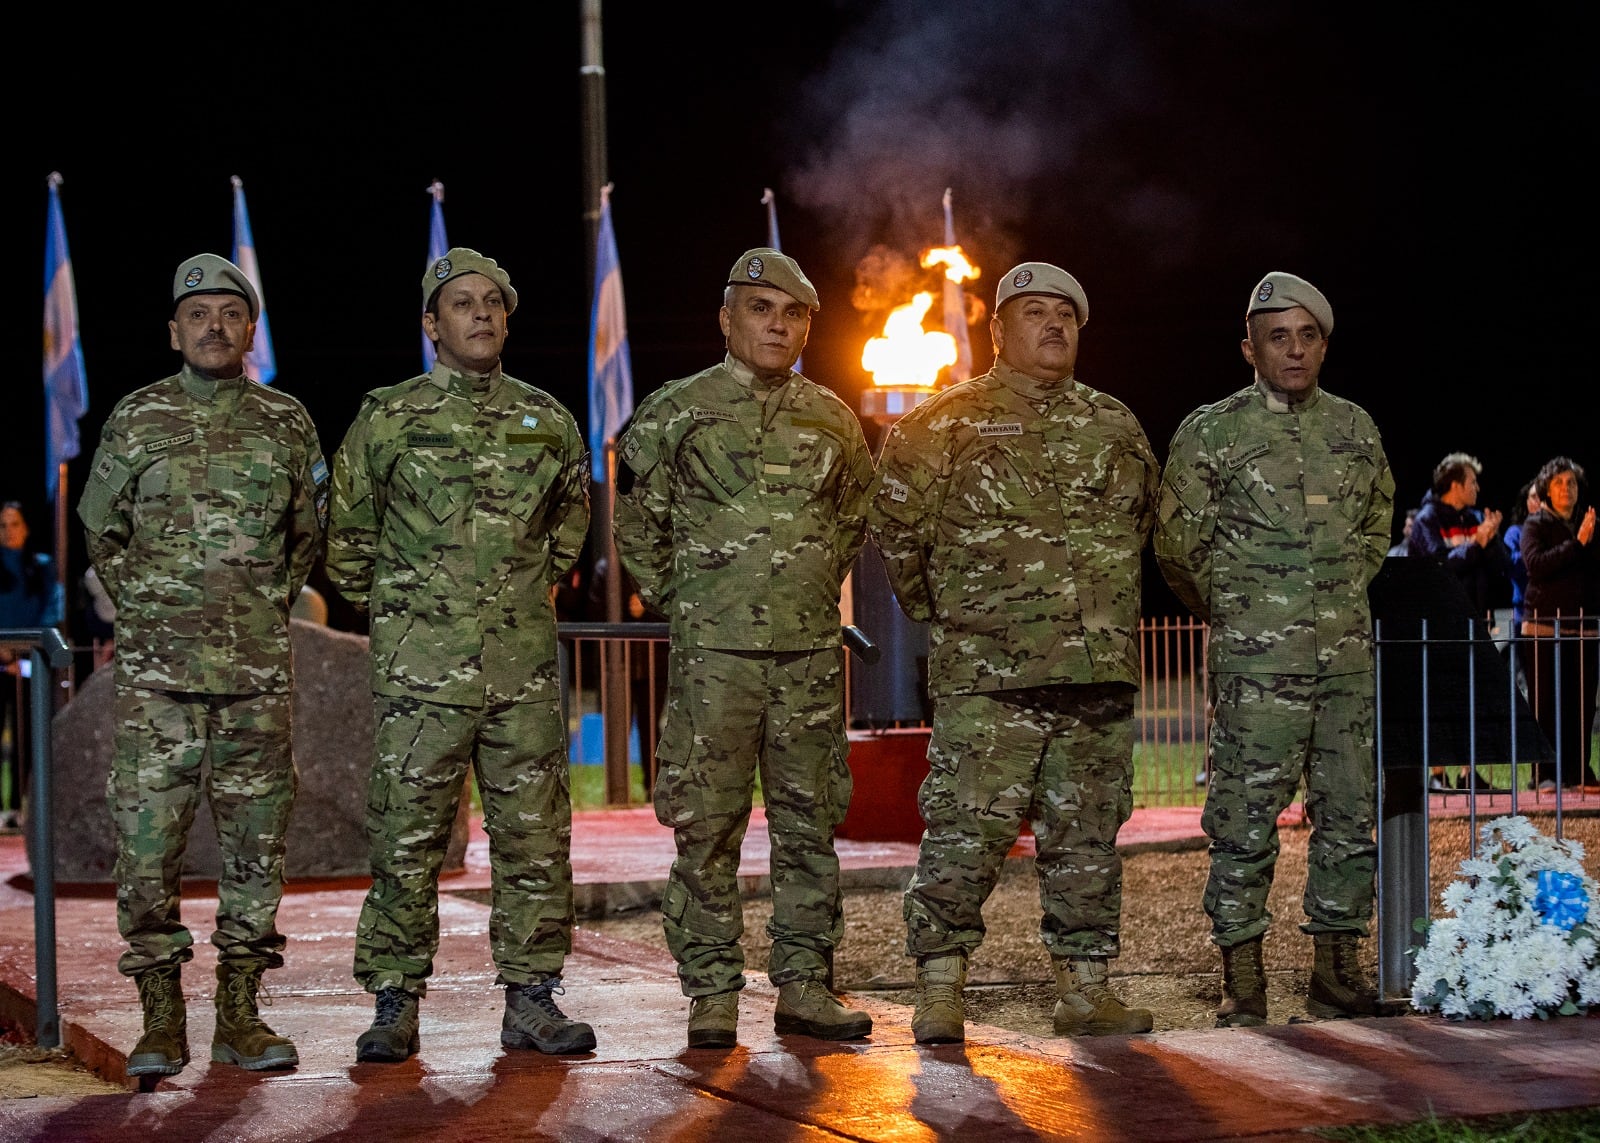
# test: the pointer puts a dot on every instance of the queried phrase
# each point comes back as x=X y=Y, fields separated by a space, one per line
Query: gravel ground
x=1168 y=963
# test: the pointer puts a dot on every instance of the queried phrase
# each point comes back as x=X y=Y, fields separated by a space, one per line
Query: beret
x=211 y=274
x=1280 y=291
x=765 y=266
x=459 y=260
x=1041 y=278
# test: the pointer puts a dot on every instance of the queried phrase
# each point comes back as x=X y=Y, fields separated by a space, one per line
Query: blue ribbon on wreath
x=1561 y=899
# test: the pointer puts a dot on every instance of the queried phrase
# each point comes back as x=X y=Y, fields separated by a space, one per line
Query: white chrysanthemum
x=1497 y=955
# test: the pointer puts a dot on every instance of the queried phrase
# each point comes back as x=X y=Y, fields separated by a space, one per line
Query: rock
x=333 y=753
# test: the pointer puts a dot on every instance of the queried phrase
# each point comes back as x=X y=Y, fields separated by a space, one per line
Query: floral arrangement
x=1520 y=942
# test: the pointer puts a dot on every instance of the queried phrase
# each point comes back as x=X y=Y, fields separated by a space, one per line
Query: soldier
x=203 y=516
x=741 y=505
x=460 y=499
x=1011 y=511
x=1275 y=511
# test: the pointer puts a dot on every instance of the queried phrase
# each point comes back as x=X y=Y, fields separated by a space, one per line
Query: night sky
x=1430 y=176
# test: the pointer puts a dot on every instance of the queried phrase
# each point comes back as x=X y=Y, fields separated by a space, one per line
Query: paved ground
x=642 y=1083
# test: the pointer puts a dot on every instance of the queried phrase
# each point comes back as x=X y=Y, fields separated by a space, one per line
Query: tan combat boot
x=1086 y=1007
x=714 y=1020
x=1244 y=987
x=941 y=1013
x=163 y=1050
x=241 y=1036
x=1337 y=989
x=533 y=1020
x=809 y=1008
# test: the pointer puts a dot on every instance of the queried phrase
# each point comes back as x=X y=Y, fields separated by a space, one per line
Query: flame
x=907 y=354
x=954 y=261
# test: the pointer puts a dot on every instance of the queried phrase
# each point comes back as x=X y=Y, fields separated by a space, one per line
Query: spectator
x=1562 y=620
x=30 y=596
x=1451 y=530
x=1402 y=547
x=1528 y=503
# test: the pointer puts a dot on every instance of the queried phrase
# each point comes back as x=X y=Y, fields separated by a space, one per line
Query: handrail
x=45 y=648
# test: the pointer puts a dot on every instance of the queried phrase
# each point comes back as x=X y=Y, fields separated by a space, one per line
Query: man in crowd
x=1011 y=511
x=741 y=505
x=203 y=516
x=1275 y=512
x=460 y=499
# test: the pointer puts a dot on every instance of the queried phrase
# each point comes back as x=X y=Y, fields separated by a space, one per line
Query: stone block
x=333 y=723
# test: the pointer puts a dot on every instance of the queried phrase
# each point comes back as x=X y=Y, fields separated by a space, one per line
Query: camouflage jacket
x=1011 y=514
x=203 y=515
x=1273 y=521
x=741 y=506
x=458 y=503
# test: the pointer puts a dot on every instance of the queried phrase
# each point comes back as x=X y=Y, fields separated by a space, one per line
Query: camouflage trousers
x=729 y=716
x=1060 y=758
x=168 y=748
x=1268 y=732
x=518 y=755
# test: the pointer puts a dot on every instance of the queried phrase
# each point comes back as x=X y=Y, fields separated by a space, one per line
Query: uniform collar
x=1032 y=387
x=1278 y=402
x=462 y=384
x=207 y=388
x=748 y=377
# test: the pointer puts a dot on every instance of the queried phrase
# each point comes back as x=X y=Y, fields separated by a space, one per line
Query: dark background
x=1430 y=174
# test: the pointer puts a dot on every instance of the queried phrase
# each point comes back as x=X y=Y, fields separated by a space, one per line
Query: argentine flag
x=259 y=363
x=66 y=392
x=438 y=246
x=610 y=371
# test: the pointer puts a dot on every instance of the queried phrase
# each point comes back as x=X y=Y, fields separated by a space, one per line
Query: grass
x=1575 y=1126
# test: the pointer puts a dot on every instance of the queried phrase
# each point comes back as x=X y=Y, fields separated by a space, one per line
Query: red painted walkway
x=643 y=1084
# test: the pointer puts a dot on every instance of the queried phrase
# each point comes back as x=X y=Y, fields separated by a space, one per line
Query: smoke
x=996 y=101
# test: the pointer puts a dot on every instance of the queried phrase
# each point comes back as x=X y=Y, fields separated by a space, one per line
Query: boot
x=1337 y=990
x=1244 y=987
x=1086 y=1007
x=393 y=1035
x=532 y=1020
x=714 y=1020
x=163 y=1050
x=241 y=1036
x=808 y=1008
x=941 y=1016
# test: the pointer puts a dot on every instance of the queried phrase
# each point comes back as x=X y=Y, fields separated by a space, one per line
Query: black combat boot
x=393 y=1035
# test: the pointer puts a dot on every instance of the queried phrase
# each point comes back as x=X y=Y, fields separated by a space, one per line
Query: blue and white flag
x=770 y=201
x=66 y=391
x=610 y=370
x=438 y=245
x=259 y=363
x=955 y=308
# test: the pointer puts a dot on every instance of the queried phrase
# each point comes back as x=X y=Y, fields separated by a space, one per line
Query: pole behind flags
x=260 y=362
x=66 y=392
x=770 y=201
x=610 y=370
x=438 y=246
x=955 y=308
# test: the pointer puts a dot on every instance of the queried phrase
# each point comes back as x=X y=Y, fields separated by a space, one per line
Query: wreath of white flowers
x=1519 y=943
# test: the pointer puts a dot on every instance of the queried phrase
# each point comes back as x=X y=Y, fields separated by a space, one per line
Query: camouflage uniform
x=740 y=510
x=1274 y=518
x=203 y=516
x=1011 y=513
x=459 y=500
